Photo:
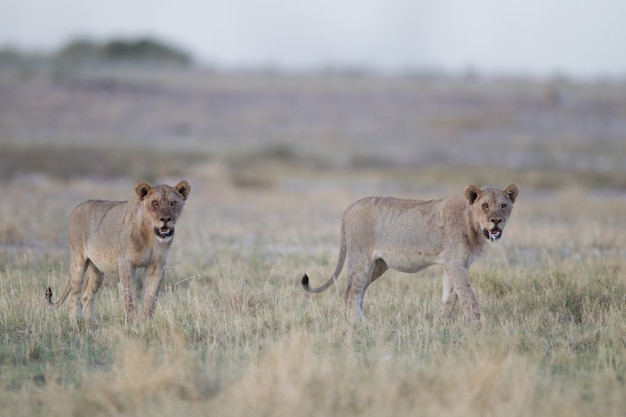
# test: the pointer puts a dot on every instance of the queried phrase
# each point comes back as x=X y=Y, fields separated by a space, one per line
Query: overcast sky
x=577 y=38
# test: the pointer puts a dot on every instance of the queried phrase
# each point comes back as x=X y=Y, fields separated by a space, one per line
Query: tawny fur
x=379 y=233
x=118 y=237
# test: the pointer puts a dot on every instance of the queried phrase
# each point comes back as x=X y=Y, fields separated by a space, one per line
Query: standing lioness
x=118 y=237
x=378 y=233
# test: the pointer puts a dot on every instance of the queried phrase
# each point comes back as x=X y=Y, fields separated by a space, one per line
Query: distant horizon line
x=425 y=71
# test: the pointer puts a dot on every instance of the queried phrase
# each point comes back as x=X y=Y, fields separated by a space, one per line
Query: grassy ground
x=235 y=335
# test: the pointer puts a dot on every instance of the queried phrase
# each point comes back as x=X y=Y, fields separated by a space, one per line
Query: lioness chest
x=406 y=234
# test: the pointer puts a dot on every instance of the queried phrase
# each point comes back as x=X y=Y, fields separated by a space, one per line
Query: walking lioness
x=378 y=233
x=119 y=237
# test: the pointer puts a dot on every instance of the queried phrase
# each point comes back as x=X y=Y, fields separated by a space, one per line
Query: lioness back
x=95 y=227
x=375 y=220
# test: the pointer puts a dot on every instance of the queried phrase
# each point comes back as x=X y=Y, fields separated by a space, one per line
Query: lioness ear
x=142 y=189
x=183 y=188
x=472 y=192
x=511 y=191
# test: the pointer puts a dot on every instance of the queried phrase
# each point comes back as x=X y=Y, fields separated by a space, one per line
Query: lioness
x=119 y=237
x=378 y=233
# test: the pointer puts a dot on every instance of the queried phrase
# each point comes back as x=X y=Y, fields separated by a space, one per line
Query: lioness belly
x=410 y=247
x=411 y=262
x=104 y=262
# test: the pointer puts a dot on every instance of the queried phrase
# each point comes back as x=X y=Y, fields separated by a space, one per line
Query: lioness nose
x=496 y=221
x=165 y=219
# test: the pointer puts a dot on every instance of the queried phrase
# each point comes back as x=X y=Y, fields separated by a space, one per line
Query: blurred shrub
x=126 y=51
x=78 y=51
x=13 y=59
x=144 y=50
x=9 y=57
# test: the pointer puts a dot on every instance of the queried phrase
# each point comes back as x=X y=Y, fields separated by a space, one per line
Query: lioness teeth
x=494 y=235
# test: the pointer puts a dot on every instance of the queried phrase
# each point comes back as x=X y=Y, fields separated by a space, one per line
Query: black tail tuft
x=49 y=295
x=305 y=280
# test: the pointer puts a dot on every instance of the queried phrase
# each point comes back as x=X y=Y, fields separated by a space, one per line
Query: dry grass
x=235 y=335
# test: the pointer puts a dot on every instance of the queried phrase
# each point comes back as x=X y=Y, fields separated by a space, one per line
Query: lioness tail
x=340 y=262
x=307 y=288
x=60 y=300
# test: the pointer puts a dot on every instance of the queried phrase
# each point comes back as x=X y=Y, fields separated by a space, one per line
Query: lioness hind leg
x=380 y=267
x=360 y=279
x=90 y=288
x=78 y=266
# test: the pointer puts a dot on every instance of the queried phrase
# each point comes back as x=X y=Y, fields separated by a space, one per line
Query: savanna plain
x=273 y=160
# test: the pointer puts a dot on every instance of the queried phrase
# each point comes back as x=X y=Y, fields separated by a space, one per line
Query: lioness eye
x=173 y=203
x=155 y=203
x=485 y=206
x=504 y=206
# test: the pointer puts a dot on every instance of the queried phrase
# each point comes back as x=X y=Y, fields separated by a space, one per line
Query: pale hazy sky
x=579 y=38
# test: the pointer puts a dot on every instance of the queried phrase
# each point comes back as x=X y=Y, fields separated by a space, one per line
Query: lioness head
x=162 y=205
x=491 y=208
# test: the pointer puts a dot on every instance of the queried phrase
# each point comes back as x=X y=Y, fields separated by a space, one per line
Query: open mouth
x=493 y=234
x=164 y=233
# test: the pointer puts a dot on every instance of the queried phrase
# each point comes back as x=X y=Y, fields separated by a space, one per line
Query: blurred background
x=287 y=94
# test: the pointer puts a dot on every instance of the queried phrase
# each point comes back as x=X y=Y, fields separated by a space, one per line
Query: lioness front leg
x=461 y=285
x=449 y=297
x=128 y=289
x=152 y=282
